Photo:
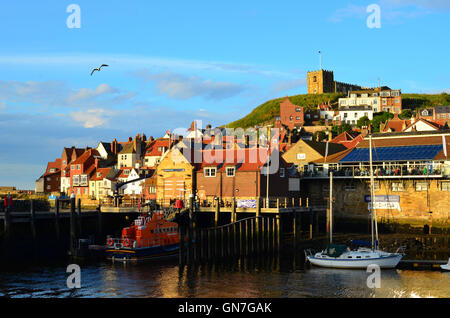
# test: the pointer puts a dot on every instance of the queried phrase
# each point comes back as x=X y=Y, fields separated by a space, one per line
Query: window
x=301 y=156
x=76 y=180
x=397 y=187
x=48 y=187
x=282 y=172
x=210 y=172
x=297 y=118
x=298 y=109
x=78 y=167
x=52 y=170
x=64 y=162
x=445 y=186
x=421 y=186
x=49 y=179
x=344 y=102
x=290 y=118
x=384 y=101
x=314 y=80
x=72 y=167
x=231 y=171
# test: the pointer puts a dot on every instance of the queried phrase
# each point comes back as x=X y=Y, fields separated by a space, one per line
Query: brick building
x=291 y=115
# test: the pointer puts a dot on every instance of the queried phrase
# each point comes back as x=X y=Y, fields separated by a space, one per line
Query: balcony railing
x=379 y=171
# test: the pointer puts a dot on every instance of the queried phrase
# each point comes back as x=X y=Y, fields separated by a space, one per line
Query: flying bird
x=98 y=69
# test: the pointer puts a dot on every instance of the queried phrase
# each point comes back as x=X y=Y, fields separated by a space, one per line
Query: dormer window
x=231 y=171
x=210 y=172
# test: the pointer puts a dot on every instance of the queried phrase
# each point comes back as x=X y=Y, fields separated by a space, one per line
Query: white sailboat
x=341 y=256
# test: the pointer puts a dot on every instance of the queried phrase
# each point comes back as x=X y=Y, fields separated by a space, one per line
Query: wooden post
x=310 y=224
x=294 y=227
x=233 y=210
x=216 y=215
x=257 y=224
x=252 y=232
x=285 y=202
x=99 y=224
x=300 y=202
x=240 y=238
x=7 y=223
x=222 y=243
x=80 y=231
x=278 y=232
x=73 y=227
x=293 y=202
x=181 y=253
x=278 y=203
x=33 y=219
x=274 y=237
x=57 y=227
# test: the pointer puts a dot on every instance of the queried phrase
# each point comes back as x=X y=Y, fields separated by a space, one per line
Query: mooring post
x=80 y=230
x=33 y=219
x=257 y=225
x=73 y=228
x=57 y=228
x=99 y=224
x=217 y=211
x=252 y=237
x=7 y=223
x=240 y=238
x=233 y=210
x=278 y=220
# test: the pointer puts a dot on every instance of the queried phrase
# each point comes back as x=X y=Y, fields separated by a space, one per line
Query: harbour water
x=249 y=278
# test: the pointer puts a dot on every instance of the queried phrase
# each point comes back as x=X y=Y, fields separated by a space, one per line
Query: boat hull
x=384 y=262
x=142 y=254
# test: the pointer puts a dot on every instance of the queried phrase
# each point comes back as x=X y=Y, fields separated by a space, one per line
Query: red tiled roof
x=53 y=165
x=122 y=173
x=102 y=171
x=86 y=156
x=152 y=149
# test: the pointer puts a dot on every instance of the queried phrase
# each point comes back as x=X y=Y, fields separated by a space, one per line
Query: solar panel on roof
x=423 y=152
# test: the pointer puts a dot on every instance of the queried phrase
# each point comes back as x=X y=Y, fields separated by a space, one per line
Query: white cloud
x=92 y=117
x=89 y=93
x=179 y=86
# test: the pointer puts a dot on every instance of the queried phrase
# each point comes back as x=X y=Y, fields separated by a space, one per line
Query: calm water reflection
x=263 y=278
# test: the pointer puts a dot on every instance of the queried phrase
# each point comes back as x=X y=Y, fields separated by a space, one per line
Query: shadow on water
x=280 y=276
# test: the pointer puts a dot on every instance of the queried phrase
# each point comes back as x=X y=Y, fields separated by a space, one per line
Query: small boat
x=149 y=237
x=341 y=256
x=446 y=266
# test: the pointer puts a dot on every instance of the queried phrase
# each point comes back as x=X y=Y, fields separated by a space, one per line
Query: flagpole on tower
x=320 y=60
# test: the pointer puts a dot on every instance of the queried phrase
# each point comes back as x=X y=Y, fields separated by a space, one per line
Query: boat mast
x=372 y=197
x=331 y=206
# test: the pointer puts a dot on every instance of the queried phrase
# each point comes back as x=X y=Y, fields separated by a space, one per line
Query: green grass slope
x=265 y=113
x=269 y=110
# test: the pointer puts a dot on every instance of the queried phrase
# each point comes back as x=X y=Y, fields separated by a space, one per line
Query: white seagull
x=98 y=69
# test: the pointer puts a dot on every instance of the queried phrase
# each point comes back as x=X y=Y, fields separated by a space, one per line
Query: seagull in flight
x=98 y=69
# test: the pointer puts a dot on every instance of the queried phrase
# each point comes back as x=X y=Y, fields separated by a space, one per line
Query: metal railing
x=386 y=170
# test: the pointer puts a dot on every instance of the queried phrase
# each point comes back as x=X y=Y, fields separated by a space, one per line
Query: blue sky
x=173 y=62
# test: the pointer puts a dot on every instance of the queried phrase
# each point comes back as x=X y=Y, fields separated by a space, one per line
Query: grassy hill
x=265 y=113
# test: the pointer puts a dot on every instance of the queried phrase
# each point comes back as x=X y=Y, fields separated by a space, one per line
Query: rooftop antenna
x=320 y=60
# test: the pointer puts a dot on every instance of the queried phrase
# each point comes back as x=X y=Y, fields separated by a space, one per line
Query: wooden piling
x=278 y=232
x=252 y=236
x=99 y=225
x=33 y=219
x=240 y=238
x=217 y=211
x=80 y=230
x=57 y=225
x=7 y=224
x=73 y=227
